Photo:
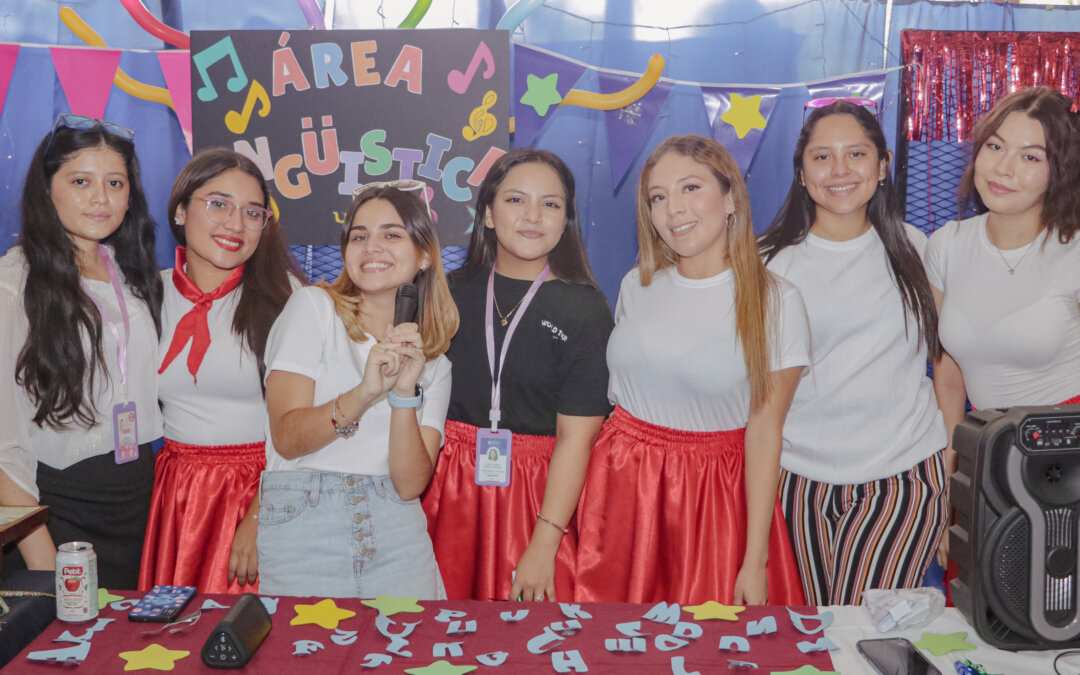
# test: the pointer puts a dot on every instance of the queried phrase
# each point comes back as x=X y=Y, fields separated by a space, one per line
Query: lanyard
x=489 y=330
x=121 y=345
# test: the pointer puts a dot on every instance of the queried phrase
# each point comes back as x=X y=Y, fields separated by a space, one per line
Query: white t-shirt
x=22 y=443
x=309 y=339
x=1016 y=337
x=866 y=409
x=226 y=405
x=674 y=356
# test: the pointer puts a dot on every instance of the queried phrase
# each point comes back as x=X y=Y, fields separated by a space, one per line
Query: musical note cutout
x=237 y=122
x=459 y=82
x=211 y=55
x=481 y=122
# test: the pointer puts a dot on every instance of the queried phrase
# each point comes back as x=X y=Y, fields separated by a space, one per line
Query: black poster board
x=323 y=112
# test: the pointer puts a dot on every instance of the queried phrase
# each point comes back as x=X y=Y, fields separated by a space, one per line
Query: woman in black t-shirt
x=502 y=529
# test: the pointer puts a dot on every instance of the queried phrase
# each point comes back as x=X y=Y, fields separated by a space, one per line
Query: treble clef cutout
x=211 y=55
x=481 y=122
x=237 y=122
x=459 y=82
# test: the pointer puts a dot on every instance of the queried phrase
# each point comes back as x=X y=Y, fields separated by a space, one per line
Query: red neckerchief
x=193 y=325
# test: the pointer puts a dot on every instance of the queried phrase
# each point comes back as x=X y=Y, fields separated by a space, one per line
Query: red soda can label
x=76 y=582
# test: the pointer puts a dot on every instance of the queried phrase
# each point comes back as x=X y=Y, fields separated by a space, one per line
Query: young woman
x=681 y=500
x=534 y=327
x=863 y=483
x=233 y=275
x=80 y=300
x=1007 y=281
x=356 y=411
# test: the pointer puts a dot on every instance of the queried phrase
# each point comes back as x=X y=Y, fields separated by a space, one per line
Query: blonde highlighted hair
x=438 y=315
x=755 y=288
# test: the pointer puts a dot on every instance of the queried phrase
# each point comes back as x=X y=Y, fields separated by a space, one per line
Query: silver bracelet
x=346 y=429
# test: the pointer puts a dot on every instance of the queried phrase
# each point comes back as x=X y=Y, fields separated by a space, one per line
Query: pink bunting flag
x=86 y=76
x=176 y=67
x=8 y=56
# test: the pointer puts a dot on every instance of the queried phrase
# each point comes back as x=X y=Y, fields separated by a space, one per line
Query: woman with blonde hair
x=680 y=504
x=356 y=411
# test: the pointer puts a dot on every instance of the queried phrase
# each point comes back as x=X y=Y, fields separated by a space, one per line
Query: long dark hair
x=54 y=367
x=884 y=211
x=265 y=286
x=567 y=260
x=1060 y=122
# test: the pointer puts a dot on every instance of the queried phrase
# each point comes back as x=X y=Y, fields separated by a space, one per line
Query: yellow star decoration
x=804 y=670
x=153 y=657
x=104 y=597
x=744 y=114
x=390 y=605
x=714 y=610
x=325 y=614
x=441 y=668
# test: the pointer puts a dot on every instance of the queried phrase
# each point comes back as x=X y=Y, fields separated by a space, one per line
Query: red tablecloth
x=771 y=652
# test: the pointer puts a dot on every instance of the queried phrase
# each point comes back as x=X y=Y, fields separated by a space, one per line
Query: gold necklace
x=503 y=318
x=1012 y=268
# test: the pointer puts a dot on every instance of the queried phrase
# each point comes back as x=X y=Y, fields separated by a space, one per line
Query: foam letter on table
x=822 y=644
x=446 y=649
x=123 y=605
x=343 y=637
x=493 y=658
x=630 y=629
x=763 y=627
x=461 y=627
x=573 y=611
x=75 y=653
x=669 y=643
x=376 y=660
x=210 y=604
x=685 y=629
x=446 y=615
x=545 y=641
x=567 y=662
x=797 y=620
x=566 y=628
x=678 y=667
x=270 y=604
x=664 y=613
x=99 y=626
x=625 y=644
x=734 y=643
x=398 y=643
x=305 y=647
x=515 y=616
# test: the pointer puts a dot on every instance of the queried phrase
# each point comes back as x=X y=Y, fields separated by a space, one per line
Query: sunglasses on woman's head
x=404 y=184
x=83 y=123
x=816 y=103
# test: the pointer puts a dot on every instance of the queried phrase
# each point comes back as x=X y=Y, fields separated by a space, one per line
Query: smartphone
x=162 y=603
x=895 y=656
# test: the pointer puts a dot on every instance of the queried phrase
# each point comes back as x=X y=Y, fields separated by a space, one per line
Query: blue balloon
x=516 y=14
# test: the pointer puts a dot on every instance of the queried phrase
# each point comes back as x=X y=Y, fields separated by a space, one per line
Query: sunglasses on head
x=83 y=123
x=816 y=103
x=404 y=184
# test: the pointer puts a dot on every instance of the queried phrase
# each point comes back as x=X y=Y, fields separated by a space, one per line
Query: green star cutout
x=441 y=668
x=715 y=610
x=804 y=670
x=324 y=613
x=744 y=114
x=943 y=643
x=542 y=93
x=104 y=597
x=390 y=605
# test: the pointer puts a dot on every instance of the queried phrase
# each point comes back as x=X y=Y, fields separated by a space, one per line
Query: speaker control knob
x=1060 y=562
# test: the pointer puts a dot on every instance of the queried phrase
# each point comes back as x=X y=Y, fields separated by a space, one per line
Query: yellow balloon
x=88 y=35
x=618 y=99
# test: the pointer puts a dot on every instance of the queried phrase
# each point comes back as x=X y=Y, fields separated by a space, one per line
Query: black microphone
x=406 y=303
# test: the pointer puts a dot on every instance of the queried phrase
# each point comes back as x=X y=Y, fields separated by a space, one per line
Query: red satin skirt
x=480 y=531
x=200 y=495
x=663 y=518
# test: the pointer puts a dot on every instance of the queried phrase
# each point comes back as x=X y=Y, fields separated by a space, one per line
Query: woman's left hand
x=244 y=556
x=534 y=576
x=751 y=585
x=408 y=344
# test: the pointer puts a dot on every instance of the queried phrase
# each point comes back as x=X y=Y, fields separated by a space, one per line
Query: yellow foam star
x=390 y=605
x=325 y=614
x=153 y=657
x=441 y=668
x=104 y=597
x=744 y=114
x=714 y=610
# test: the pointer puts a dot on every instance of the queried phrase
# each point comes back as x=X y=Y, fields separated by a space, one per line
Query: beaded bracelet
x=347 y=429
x=552 y=523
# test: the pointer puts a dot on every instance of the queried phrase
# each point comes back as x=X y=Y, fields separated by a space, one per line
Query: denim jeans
x=328 y=534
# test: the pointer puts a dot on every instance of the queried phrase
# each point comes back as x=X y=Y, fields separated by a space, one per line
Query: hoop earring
x=731 y=220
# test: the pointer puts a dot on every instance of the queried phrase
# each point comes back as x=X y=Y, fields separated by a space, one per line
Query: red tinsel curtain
x=954 y=77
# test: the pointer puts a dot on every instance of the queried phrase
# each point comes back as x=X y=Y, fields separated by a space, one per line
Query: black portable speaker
x=1017 y=536
x=235 y=640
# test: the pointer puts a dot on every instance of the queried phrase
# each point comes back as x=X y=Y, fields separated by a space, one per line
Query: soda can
x=76 y=582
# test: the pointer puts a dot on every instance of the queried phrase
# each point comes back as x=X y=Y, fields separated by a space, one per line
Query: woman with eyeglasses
x=1007 y=281
x=233 y=275
x=356 y=410
x=530 y=389
x=80 y=299
x=863 y=482
x=681 y=504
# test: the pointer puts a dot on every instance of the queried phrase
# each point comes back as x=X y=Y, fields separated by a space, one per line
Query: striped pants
x=880 y=534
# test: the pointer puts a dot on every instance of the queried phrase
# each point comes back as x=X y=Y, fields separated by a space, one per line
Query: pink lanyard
x=121 y=345
x=489 y=331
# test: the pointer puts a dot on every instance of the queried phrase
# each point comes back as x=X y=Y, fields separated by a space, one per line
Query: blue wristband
x=403 y=402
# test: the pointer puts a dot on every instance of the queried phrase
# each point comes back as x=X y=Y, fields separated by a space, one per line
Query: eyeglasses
x=83 y=123
x=404 y=184
x=816 y=103
x=220 y=209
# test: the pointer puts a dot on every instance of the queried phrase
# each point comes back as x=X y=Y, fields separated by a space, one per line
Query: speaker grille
x=1011 y=570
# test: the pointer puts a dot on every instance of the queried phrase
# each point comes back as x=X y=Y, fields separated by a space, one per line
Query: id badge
x=493 y=457
x=125 y=432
